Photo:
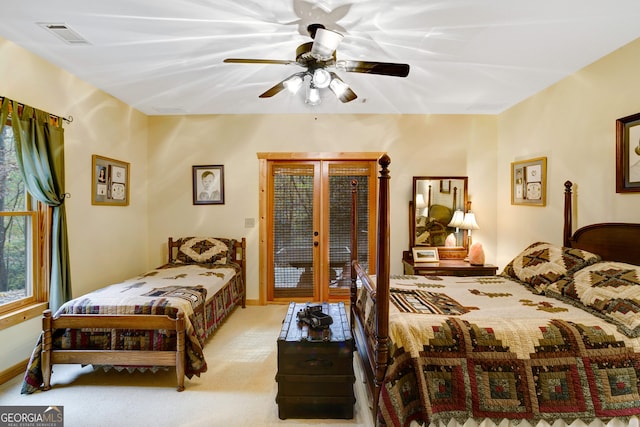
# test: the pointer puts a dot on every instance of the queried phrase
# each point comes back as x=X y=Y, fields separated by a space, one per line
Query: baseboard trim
x=11 y=372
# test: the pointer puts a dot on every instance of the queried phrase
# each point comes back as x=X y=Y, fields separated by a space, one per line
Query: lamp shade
x=325 y=43
x=469 y=222
x=420 y=203
x=294 y=82
x=321 y=78
x=313 y=95
x=457 y=220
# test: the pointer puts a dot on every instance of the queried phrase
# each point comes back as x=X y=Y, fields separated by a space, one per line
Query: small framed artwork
x=425 y=255
x=628 y=154
x=208 y=185
x=109 y=181
x=529 y=182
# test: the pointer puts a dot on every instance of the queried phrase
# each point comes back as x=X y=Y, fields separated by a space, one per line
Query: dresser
x=315 y=367
x=446 y=267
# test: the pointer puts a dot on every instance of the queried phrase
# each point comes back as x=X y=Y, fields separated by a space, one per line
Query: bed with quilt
x=157 y=319
x=553 y=340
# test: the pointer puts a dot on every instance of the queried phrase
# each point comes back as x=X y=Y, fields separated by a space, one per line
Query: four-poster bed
x=555 y=336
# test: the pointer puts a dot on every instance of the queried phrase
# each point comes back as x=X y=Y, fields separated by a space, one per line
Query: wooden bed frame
x=612 y=241
x=175 y=358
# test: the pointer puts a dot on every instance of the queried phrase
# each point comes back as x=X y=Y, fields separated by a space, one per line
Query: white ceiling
x=466 y=56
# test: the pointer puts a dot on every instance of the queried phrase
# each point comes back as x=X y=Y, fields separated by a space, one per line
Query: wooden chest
x=315 y=368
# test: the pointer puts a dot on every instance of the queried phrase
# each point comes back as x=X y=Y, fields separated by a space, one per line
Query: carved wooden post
x=354 y=248
x=46 y=349
x=568 y=227
x=180 y=353
x=382 y=279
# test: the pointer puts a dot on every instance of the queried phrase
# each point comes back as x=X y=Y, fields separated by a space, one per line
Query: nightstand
x=446 y=267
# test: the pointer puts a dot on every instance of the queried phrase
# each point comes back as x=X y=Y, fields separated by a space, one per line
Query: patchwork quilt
x=489 y=348
x=205 y=293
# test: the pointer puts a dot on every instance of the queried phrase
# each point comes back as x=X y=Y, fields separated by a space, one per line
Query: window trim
x=27 y=308
x=22 y=315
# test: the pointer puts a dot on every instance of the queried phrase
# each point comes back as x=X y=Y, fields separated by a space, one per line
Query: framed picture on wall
x=208 y=185
x=628 y=154
x=529 y=182
x=109 y=181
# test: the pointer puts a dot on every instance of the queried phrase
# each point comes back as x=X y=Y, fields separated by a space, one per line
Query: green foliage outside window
x=14 y=224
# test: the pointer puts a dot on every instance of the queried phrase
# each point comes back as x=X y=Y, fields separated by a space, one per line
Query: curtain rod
x=67 y=119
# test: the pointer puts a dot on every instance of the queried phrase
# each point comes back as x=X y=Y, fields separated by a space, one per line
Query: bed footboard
x=52 y=356
x=367 y=343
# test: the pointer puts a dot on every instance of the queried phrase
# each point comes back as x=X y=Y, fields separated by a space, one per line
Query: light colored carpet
x=239 y=388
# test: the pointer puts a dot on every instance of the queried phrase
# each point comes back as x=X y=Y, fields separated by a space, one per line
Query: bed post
x=382 y=279
x=243 y=258
x=170 y=247
x=568 y=227
x=181 y=326
x=354 y=248
x=46 y=349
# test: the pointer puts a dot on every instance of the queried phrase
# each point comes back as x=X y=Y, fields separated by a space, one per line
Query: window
x=20 y=251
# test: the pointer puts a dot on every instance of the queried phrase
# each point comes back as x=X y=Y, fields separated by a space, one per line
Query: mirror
x=435 y=199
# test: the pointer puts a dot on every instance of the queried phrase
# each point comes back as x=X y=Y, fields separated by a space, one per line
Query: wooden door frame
x=264 y=158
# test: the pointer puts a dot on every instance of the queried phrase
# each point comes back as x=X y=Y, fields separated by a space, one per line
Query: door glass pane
x=340 y=177
x=293 y=230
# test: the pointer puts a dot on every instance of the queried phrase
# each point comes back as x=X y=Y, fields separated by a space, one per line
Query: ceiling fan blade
x=273 y=91
x=258 y=61
x=383 y=68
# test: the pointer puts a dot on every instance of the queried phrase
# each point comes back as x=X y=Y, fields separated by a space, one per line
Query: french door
x=308 y=226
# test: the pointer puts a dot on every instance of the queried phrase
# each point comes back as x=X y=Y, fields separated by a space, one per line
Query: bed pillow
x=204 y=250
x=609 y=289
x=541 y=264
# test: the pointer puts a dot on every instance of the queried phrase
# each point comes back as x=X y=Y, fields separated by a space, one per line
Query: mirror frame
x=412 y=203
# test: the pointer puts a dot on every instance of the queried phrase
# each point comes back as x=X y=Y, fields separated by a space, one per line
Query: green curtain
x=40 y=153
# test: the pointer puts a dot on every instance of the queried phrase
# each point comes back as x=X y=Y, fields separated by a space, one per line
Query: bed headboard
x=239 y=253
x=613 y=241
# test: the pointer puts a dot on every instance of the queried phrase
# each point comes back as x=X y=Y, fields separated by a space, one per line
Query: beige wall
x=572 y=123
x=418 y=145
x=106 y=243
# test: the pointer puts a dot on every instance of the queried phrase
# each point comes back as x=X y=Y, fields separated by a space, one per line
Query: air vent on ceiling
x=64 y=32
x=170 y=111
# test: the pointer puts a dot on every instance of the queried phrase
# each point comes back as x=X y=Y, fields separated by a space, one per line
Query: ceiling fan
x=318 y=57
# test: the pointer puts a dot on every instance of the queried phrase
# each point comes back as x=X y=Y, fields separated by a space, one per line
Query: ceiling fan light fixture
x=325 y=43
x=321 y=78
x=341 y=90
x=338 y=87
x=293 y=83
x=313 y=95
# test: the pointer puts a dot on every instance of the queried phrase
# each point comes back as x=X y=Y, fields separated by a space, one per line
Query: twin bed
x=160 y=318
x=555 y=338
